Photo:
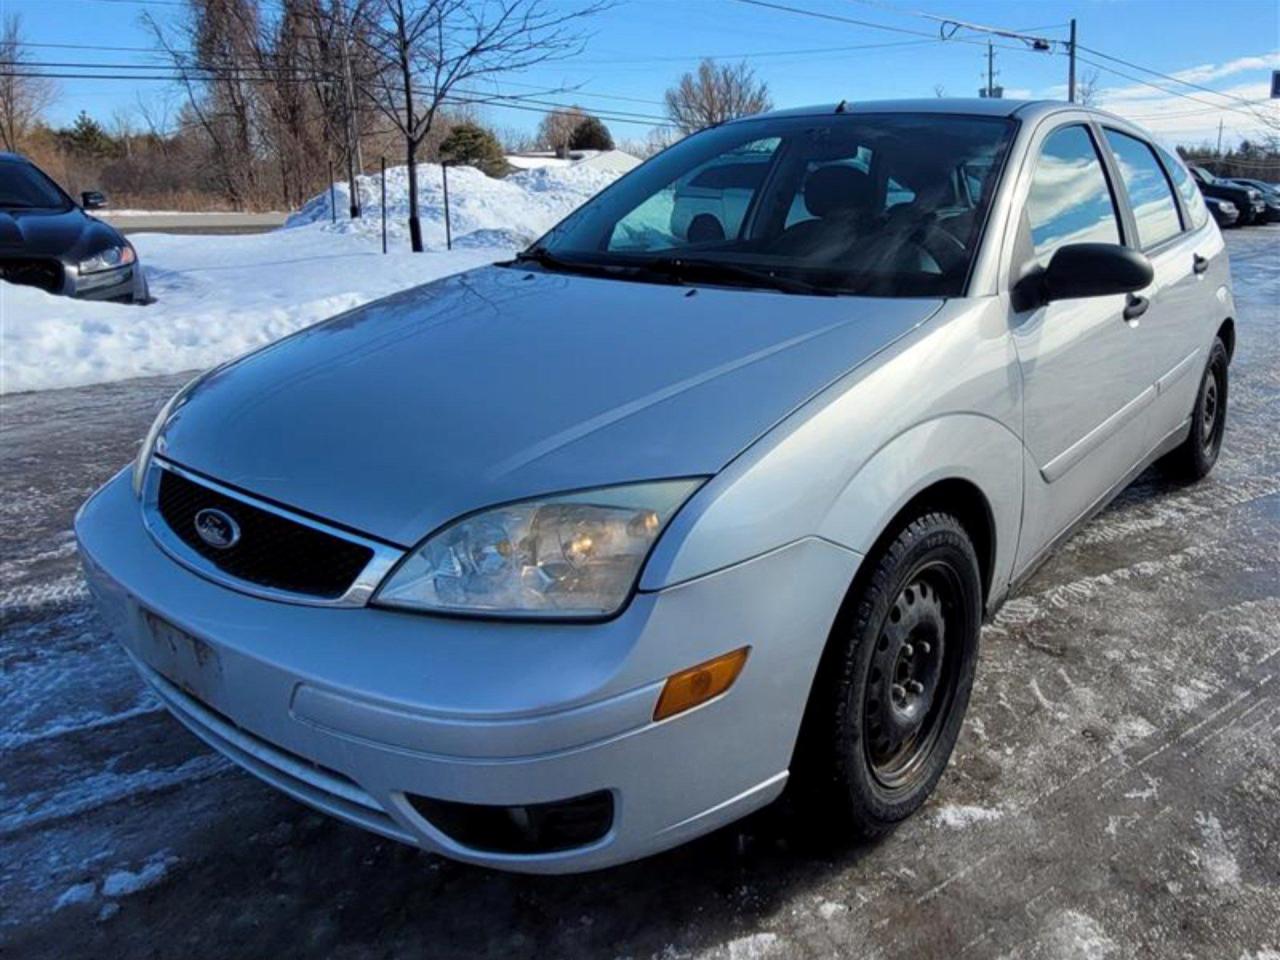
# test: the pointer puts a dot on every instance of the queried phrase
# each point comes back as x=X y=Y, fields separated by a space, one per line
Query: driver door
x=1085 y=393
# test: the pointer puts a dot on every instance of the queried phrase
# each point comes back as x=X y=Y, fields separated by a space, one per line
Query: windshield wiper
x=687 y=269
x=545 y=258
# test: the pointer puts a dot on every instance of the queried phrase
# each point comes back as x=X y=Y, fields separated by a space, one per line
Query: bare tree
x=213 y=50
x=556 y=129
x=22 y=98
x=1088 y=89
x=428 y=51
x=716 y=94
x=939 y=91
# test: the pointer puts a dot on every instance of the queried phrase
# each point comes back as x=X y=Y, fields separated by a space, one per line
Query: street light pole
x=1071 y=67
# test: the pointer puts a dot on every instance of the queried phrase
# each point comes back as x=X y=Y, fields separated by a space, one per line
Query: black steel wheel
x=1197 y=455
x=894 y=682
x=912 y=679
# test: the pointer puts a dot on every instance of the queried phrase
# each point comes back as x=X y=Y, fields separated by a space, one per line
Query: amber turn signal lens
x=688 y=688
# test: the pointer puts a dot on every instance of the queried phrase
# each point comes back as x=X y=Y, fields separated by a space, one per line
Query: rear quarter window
x=1187 y=189
x=1154 y=210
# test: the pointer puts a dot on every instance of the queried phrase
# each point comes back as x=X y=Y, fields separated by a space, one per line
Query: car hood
x=69 y=234
x=501 y=384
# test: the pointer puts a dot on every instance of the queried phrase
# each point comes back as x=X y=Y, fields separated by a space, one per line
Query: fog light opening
x=524 y=829
x=698 y=684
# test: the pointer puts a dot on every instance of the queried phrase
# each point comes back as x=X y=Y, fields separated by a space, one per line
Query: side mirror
x=92 y=200
x=1080 y=270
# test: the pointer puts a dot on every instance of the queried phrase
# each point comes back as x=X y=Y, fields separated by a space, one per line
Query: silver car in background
x=564 y=561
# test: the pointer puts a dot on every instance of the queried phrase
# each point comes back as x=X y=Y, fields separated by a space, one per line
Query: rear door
x=1086 y=381
x=1173 y=353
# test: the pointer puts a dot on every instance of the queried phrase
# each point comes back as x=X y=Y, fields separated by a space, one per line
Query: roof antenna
x=841 y=105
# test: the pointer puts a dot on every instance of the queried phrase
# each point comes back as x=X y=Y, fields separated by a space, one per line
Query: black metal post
x=384 y=204
x=333 y=198
x=448 y=232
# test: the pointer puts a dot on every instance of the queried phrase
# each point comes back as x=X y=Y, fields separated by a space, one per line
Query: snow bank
x=526 y=204
x=220 y=296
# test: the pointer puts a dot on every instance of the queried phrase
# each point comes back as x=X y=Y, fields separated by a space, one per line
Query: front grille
x=32 y=272
x=272 y=550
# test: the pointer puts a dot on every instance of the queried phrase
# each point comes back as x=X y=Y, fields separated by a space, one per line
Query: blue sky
x=639 y=47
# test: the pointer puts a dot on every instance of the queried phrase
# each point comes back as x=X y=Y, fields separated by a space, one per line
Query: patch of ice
x=90 y=793
x=829 y=909
x=1215 y=857
x=1131 y=729
x=1149 y=792
x=123 y=883
x=959 y=816
x=757 y=946
x=79 y=893
x=1070 y=935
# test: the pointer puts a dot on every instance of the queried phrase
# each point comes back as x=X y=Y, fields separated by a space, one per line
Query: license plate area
x=191 y=664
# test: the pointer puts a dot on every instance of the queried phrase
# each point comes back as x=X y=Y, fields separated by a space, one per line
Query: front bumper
x=352 y=710
x=121 y=285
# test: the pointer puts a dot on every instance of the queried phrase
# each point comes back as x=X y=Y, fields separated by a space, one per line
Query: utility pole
x=1071 y=64
x=1219 y=136
x=989 y=90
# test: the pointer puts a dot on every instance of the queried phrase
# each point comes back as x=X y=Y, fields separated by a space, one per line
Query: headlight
x=108 y=259
x=1227 y=206
x=153 y=434
x=575 y=555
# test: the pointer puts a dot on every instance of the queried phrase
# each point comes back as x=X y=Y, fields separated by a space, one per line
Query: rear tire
x=891 y=691
x=1196 y=456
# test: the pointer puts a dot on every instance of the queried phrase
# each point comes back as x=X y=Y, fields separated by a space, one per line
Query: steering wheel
x=939 y=245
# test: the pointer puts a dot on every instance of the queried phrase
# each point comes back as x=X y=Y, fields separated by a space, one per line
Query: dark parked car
x=1247 y=200
x=47 y=240
x=1224 y=211
x=1270 y=195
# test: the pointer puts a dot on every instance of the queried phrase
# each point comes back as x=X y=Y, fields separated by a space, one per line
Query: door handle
x=1199 y=264
x=1135 y=307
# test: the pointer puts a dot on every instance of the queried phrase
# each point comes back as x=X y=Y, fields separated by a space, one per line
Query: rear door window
x=1070 y=199
x=1154 y=209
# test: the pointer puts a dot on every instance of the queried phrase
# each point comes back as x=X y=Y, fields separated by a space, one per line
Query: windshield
x=22 y=186
x=878 y=204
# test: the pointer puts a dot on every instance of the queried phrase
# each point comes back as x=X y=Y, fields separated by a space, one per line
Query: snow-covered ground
x=219 y=296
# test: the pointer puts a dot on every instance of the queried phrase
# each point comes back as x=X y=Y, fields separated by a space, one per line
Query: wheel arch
x=974 y=473
x=1227 y=334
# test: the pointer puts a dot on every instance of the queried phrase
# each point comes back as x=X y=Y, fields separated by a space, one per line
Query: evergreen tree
x=472 y=145
x=591 y=134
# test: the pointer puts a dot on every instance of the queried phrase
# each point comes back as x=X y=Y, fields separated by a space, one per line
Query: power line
x=1189 y=113
x=1166 y=90
x=1157 y=73
x=837 y=18
x=469 y=97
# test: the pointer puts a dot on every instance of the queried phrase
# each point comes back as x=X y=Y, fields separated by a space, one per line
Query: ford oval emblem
x=217 y=529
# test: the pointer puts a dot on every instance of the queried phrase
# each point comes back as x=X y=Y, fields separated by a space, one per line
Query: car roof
x=960 y=106
x=5 y=156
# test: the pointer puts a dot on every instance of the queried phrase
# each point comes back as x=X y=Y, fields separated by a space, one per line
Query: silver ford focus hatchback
x=563 y=561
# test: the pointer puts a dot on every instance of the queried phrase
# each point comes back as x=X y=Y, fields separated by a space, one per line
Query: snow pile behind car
x=520 y=207
x=220 y=296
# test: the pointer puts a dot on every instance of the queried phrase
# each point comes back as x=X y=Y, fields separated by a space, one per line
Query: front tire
x=893 y=685
x=1196 y=456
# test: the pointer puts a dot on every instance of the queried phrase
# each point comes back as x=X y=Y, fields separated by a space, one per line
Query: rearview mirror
x=92 y=200
x=1085 y=270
